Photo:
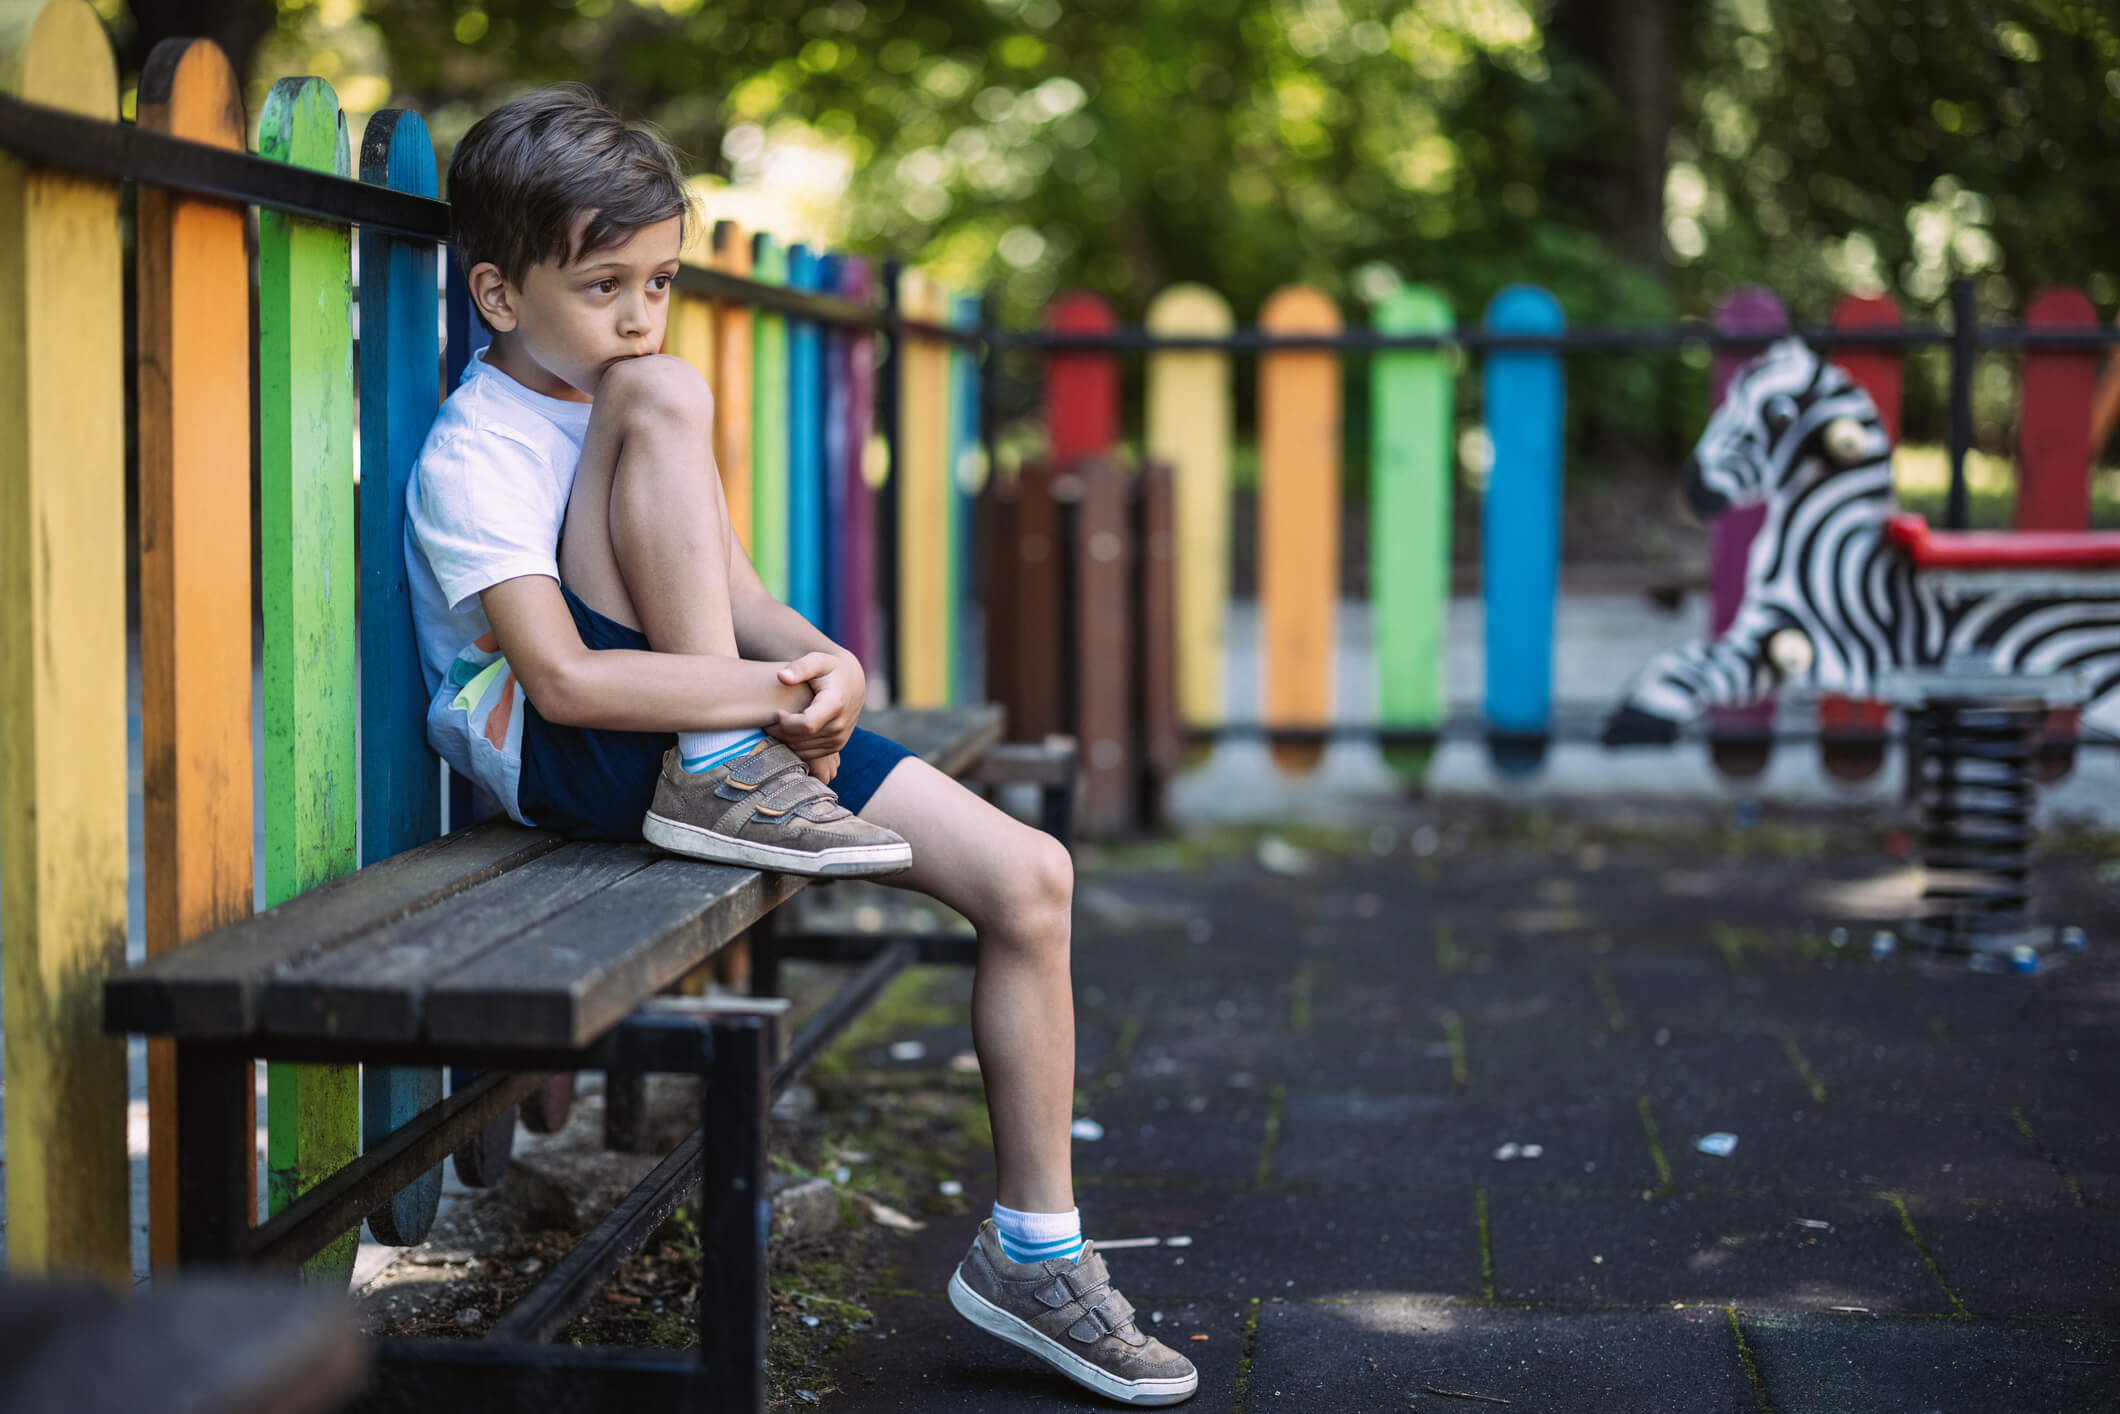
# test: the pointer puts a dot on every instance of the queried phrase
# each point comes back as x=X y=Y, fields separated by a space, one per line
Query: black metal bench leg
x=625 y=1111
x=734 y=1215
x=765 y=956
x=217 y=1152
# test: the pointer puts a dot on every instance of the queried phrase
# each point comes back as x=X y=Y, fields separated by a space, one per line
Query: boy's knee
x=1041 y=878
x=660 y=387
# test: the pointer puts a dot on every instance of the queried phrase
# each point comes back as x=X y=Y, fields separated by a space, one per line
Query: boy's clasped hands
x=838 y=691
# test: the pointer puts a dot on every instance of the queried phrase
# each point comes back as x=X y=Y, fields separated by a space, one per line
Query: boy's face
x=568 y=324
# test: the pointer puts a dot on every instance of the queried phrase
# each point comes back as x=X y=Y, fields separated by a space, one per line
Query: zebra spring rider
x=1832 y=606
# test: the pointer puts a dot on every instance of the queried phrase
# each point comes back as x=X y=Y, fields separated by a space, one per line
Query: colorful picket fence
x=1188 y=428
x=794 y=439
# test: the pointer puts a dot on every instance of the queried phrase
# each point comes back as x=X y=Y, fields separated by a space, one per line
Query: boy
x=581 y=598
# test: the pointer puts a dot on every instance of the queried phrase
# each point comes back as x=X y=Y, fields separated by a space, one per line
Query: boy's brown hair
x=527 y=169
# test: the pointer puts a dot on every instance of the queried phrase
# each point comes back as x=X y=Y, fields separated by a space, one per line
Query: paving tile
x=1834 y=1148
x=1889 y=1365
x=2021 y=1261
x=1435 y=1141
x=1373 y=1356
x=1291 y=1242
x=1158 y=1133
x=1707 y=1251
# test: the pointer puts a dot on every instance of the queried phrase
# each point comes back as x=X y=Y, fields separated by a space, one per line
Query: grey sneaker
x=1069 y=1315
x=765 y=810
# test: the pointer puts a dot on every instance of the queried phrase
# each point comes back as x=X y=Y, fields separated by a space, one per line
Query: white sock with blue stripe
x=703 y=751
x=1038 y=1237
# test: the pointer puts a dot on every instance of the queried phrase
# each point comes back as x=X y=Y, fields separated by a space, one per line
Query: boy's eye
x=662 y=282
x=607 y=287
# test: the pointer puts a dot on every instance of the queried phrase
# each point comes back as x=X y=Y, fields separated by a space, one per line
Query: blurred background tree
x=1639 y=159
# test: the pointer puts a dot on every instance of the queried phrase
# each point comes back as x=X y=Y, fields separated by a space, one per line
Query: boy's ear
x=490 y=293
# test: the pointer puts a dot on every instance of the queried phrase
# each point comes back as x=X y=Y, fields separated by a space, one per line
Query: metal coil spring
x=1977 y=796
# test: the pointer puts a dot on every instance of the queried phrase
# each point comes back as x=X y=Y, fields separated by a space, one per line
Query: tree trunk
x=1618 y=172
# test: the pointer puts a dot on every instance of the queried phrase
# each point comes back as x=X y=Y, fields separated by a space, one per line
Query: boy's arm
x=628 y=690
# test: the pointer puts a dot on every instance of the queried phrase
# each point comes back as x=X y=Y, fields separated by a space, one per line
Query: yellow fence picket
x=1189 y=426
x=922 y=678
x=62 y=663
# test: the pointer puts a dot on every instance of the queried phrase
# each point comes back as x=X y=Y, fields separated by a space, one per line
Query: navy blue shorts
x=592 y=784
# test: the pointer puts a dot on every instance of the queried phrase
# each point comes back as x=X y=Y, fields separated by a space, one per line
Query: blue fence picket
x=806 y=401
x=1520 y=525
x=400 y=796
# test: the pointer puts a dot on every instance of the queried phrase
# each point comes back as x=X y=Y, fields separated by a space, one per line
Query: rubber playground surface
x=1574 y=1112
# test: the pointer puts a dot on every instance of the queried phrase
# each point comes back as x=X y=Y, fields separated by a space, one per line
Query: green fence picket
x=307 y=519
x=1409 y=519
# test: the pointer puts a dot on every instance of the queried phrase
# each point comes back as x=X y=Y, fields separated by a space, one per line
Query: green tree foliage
x=1895 y=146
x=1814 y=145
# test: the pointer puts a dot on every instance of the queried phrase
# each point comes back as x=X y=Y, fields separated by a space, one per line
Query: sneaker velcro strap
x=798 y=791
x=1055 y=1293
x=753 y=770
x=1108 y=1316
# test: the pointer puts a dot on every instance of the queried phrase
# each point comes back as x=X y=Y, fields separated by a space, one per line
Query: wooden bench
x=518 y=953
x=502 y=952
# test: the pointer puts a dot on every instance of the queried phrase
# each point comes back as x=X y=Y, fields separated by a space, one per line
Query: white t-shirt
x=485 y=503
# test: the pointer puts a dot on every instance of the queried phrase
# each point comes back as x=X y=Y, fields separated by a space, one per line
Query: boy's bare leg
x=1016 y=885
x=647 y=540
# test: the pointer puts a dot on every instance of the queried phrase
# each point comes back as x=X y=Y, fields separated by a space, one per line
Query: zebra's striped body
x=1796 y=433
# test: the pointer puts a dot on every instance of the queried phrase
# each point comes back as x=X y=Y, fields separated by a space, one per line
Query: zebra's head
x=1787 y=416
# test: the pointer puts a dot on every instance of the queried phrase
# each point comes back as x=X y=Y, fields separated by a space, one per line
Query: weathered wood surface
x=307 y=586
x=576 y=975
x=496 y=935
x=376 y=990
x=401 y=803
x=62 y=662
x=208 y=989
x=1104 y=644
x=194 y=396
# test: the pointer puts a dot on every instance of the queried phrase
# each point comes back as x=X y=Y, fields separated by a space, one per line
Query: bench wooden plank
x=375 y=991
x=325 y=960
x=576 y=975
x=208 y=989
